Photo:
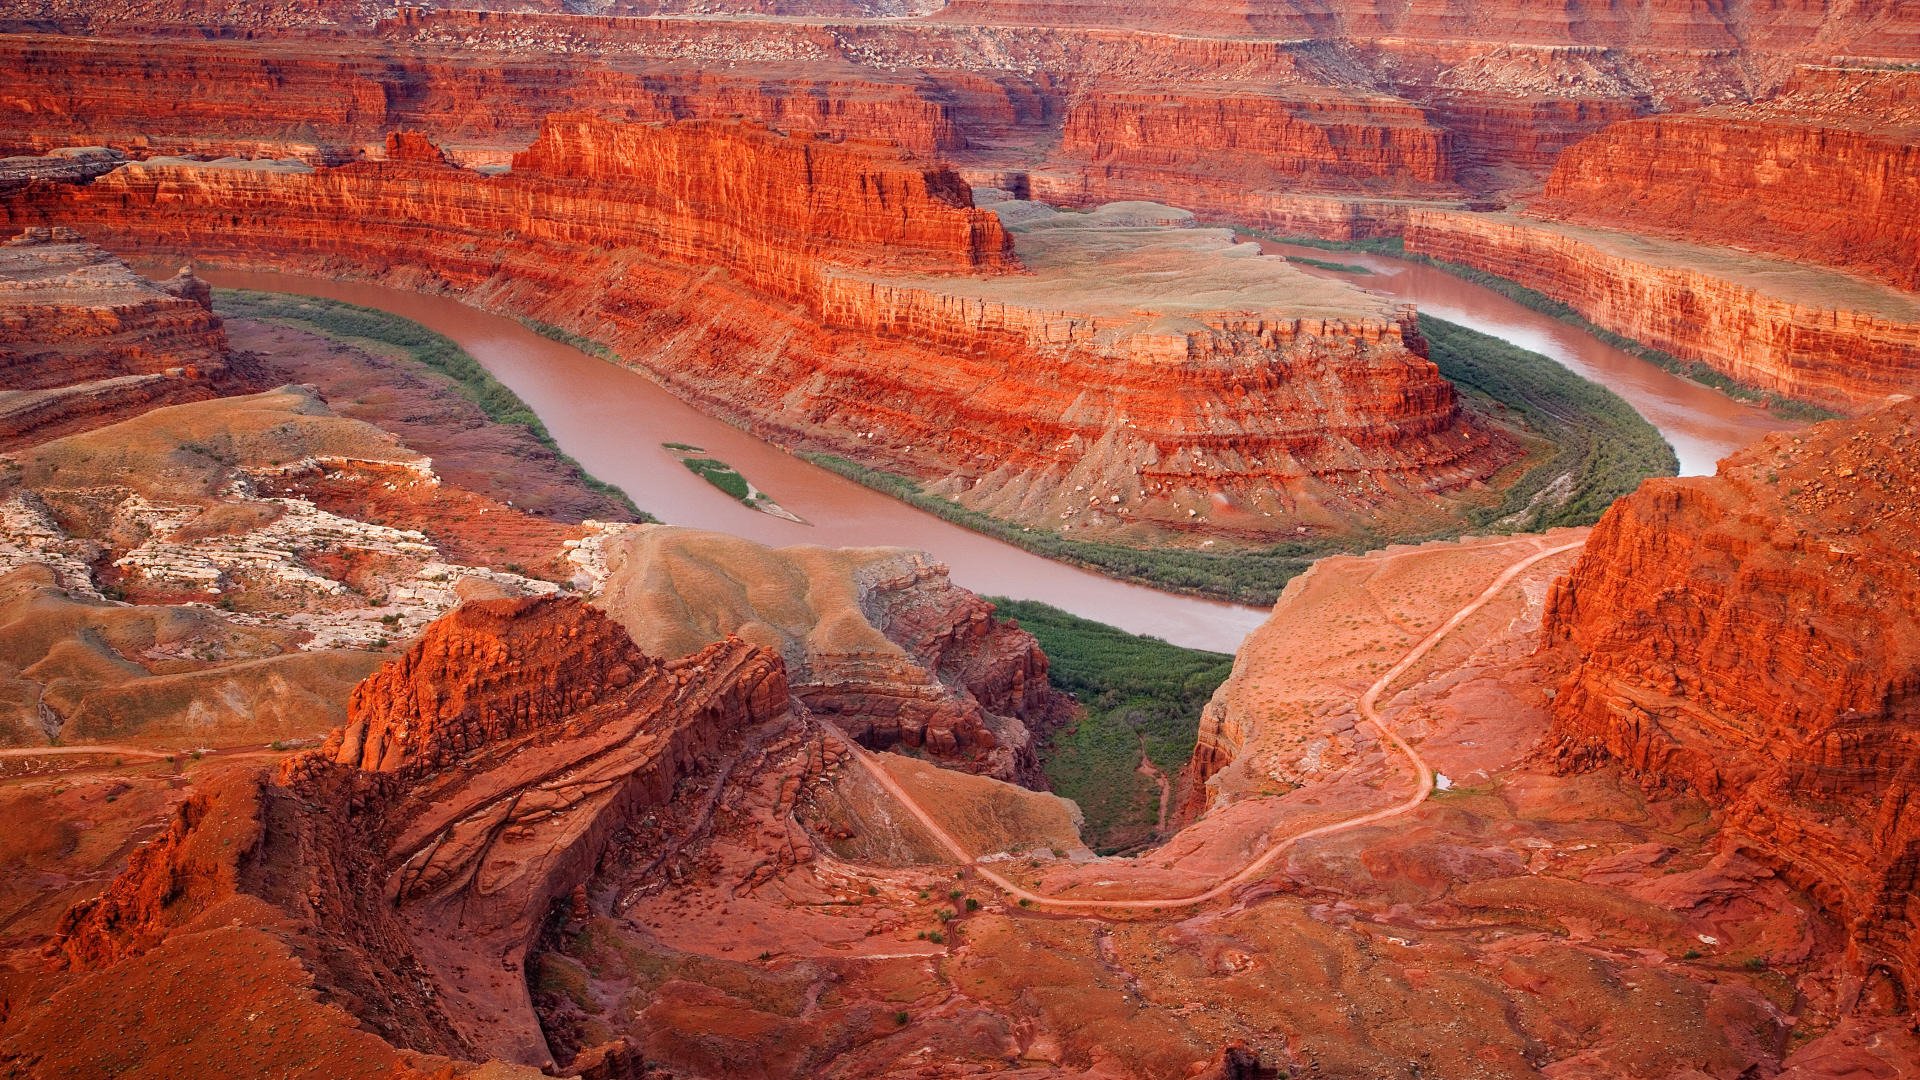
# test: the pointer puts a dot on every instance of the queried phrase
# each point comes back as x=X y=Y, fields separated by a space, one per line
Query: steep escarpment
x=1797 y=330
x=85 y=341
x=882 y=317
x=767 y=207
x=414 y=885
x=1827 y=172
x=1751 y=637
x=876 y=640
x=336 y=104
x=1221 y=151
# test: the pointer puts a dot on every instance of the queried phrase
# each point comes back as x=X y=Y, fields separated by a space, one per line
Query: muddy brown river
x=1702 y=424
x=613 y=421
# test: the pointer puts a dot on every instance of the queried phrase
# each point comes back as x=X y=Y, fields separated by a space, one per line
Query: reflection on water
x=1701 y=423
x=613 y=421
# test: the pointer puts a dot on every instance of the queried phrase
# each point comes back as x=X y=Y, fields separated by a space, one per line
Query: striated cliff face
x=85 y=341
x=877 y=640
x=1218 y=151
x=880 y=316
x=333 y=105
x=483 y=674
x=1751 y=637
x=1828 y=172
x=1800 y=331
x=413 y=886
x=766 y=206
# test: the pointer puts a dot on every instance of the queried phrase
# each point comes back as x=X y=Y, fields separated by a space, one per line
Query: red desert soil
x=771 y=912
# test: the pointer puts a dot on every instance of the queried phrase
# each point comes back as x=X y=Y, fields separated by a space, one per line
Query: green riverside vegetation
x=1139 y=695
x=388 y=333
x=720 y=475
x=1338 y=267
x=1534 y=300
x=1601 y=446
x=1251 y=577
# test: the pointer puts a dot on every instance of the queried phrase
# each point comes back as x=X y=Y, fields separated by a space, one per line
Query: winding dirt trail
x=1369 y=708
x=103 y=748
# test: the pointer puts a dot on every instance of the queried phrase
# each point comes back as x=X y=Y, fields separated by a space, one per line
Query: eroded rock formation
x=85 y=341
x=1750 y=637
x=1827 y=172
x=1797 y=330
x=875 y=640
x=415 y=883
x=868 y=308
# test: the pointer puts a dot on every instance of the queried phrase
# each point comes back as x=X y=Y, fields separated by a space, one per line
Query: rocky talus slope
x=1750 y=637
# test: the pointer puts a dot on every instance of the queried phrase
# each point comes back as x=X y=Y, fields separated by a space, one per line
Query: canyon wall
x=85 y=341
x=1750 y=637
x=1215 y=151
x=1796 y=330
x=743 y=269
x=1828 y=173
x=411 y=862
x=333 y=103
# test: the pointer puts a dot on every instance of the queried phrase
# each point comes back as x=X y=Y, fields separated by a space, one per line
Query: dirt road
x=1369 y=708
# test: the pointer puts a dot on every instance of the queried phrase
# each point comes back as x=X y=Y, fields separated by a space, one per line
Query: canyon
x=348 y=726
x=885 y=317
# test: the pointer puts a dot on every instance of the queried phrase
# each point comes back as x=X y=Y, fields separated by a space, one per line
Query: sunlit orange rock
x=1751 y=637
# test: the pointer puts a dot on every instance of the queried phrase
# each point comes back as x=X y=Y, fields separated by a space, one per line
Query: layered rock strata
x=876 y=640
x=1221 y=151
x=1827 y=173
x=1796 y=330
x=1750 y=637
x=459 y=803
x=882 y=316
x=85 y=341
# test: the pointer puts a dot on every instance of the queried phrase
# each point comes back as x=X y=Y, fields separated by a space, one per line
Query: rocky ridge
x=877 y=640
x=84 y=340
x=1749 y=637
x=420 y=889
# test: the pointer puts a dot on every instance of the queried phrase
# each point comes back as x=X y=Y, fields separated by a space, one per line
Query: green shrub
x=1138 y=695
x=720 y=475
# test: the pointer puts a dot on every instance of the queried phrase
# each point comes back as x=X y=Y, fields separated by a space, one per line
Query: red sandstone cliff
x=1751 y=637
x=1218 y=152
x=840 y=295
x=517 y=737
x=1796 y=330
x=1827 y=173
x=85 y=341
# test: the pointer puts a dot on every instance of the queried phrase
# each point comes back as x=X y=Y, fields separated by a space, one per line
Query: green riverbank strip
x=1138 y=694
x=364 y=326
x=1534 y=300
x=1603 y=449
